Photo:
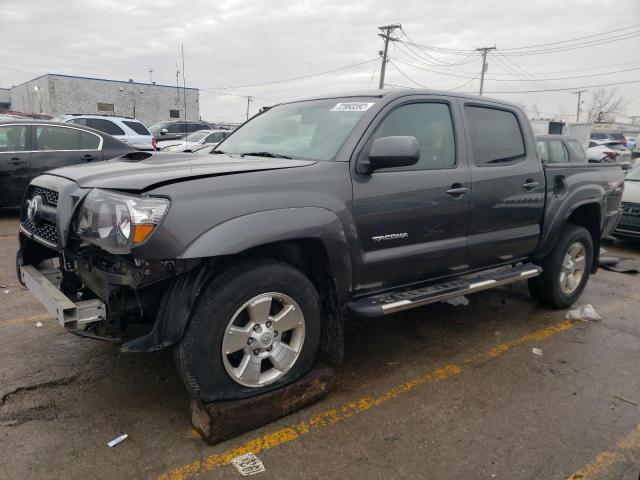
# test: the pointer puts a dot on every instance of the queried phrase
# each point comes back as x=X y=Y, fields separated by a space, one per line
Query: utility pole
x=579 y=93
x=633 y=119
x=248 y=102
x=484 y=51
x=387 y=29
x=150 y=75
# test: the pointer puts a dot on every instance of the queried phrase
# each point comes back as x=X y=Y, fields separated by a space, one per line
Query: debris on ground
x=457 y=301
x=620 y=264
x=625 y=400
x=536 y=351
x=7 y=291
x=585 y=313
x=117 y=440
x=248 y=464
x=38 y=324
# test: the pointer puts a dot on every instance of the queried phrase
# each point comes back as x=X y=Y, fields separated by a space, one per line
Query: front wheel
x=566 y=270
x=256 y=327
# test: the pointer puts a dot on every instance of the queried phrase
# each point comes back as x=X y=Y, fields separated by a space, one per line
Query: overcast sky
x=248 y=42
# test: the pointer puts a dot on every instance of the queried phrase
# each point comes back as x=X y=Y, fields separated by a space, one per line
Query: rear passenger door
x=57 y=146
x=412 y=221
x=507 y=184
x=15 y=161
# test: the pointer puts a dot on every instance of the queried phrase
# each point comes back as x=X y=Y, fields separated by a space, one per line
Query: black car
x=29 y=148
x=177 y=129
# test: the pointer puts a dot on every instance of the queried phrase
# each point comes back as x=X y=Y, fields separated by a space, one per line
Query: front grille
x=631 y=209
x=49 y=196
x=44 y=229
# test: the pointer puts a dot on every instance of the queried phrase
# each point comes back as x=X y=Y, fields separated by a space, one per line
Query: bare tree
x=605 y=104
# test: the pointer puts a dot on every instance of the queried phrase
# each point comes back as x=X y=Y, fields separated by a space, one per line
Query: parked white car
x=126 y=129
x=608 y=151
x=195 y=140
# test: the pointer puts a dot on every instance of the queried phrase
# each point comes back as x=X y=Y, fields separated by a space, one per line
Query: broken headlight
x=117 y=222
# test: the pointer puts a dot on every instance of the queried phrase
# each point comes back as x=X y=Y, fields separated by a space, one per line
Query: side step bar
x=392 y=302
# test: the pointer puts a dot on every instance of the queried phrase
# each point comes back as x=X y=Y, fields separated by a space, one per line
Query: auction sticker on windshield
x=351 y=107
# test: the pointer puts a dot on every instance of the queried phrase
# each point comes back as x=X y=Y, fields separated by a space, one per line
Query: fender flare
x=269 y=226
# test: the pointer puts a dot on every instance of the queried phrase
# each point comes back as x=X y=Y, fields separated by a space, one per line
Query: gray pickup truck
x=246 y=261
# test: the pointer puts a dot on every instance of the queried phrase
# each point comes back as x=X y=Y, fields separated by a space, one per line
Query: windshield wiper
x=216 y=152
x=264 y=154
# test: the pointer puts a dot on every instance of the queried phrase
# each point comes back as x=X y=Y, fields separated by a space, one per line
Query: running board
x=392 y=302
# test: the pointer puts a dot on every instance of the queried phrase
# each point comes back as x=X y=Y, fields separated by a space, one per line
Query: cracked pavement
x=512 y=415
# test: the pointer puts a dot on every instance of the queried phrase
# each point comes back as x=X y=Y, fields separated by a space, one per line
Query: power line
x=292 y=79
x=568 y=88
x=617 y=30
x=406 y=76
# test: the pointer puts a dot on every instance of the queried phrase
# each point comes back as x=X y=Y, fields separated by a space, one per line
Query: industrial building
x=150 y=103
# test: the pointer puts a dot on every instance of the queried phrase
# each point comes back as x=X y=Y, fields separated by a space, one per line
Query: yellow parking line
x=604 y=460
x=6 y=237
x=335 y=415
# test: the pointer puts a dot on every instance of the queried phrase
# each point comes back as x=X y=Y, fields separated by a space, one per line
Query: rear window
x=576 y=150
x=618 y=136
x=105 y=126
x=599 y=136
x=496 y=137
x=137 y=127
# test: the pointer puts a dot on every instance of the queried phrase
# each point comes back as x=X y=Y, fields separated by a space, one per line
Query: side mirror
x=164 y=131
x=389 y=152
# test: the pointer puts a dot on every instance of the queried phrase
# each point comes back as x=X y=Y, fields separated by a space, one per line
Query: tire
x=207 y=359
x=553 y=288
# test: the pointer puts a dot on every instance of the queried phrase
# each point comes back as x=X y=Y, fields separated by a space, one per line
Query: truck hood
x=126 y=173
x=631 y=192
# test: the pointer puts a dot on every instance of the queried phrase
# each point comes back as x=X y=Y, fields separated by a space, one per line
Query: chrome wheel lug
x=269 y=324
x=275 y=334
x=269 y=348
x=250 y=341
x=256 y=328
x=256 y=351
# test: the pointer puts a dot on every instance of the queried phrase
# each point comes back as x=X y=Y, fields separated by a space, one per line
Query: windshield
x=155 y=129
x=199 y=135
x=312 y=130
x=634 y=175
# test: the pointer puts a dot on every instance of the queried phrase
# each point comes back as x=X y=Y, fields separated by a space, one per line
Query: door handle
x=457 y=190
x=88 y=158
x=530 y=184
x=16 y=161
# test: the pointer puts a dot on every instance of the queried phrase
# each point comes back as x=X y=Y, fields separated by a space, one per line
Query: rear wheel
x=566 y=270
x=255 y=328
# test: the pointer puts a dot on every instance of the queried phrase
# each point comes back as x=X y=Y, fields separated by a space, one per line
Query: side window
x=577 y=150
x=50 y=137
x=496 y=137
x=88 y=141
x=193 y=127
x=79 y=121
x=431 y=125
x=557 y=152
x=105 y=126
x=13 y=138
x=175 y=128
x=204 y=126
x=543 y=151
x=137 y=127
x=215 y=137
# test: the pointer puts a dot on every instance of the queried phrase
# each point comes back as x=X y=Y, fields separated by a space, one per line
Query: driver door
x=412 y=221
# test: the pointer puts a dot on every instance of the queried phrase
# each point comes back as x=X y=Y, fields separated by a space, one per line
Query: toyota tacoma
x=247 y=261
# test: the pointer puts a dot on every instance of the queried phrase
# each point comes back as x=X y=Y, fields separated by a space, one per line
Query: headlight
x=116 y=222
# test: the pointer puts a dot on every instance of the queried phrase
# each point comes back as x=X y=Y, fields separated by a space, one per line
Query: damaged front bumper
x=45 y=286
